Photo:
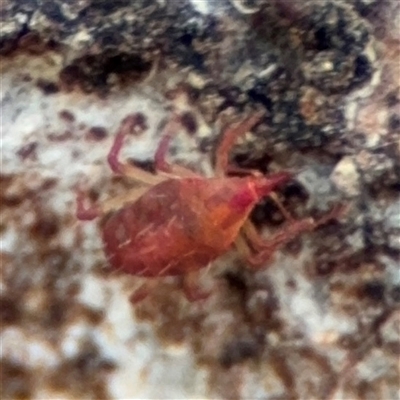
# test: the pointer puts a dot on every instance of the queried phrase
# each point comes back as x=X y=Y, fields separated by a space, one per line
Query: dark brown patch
x=236 y=281
x=66 y=116
x=162 y=308
x=189 y=121
x=49 y=183
x=45 y=226
x=66 y=135
x=267 y=212
x=293 y=191
x=395 y=294
x=10 y=311
x=32 y=42
x=70 y=76
x=238 y=351
x=374 y=290
x=324 y=268
x=294 y=247
x=28 y=151
x=96 y=133
x=16 y=381
x=47 y=87
x=394 y=123
x=84 y=375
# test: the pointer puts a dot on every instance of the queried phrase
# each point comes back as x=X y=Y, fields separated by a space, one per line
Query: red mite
x=177 y=221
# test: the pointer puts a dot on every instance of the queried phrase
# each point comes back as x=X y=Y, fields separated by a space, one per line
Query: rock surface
x=322 y=320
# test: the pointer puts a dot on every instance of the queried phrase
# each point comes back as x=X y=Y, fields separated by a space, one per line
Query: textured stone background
x=323 y=320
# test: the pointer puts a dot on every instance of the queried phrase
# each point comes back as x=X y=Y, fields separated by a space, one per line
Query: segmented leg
x=88 y=213
x=126 y=127
x=229 y=139
x=249 y=232
x=91 y=212
x=273 y=196
x=242 y=246
x=267 y=247
x=169 y=132
x=138 y=174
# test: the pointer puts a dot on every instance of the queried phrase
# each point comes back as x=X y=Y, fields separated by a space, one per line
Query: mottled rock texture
x=322 y=320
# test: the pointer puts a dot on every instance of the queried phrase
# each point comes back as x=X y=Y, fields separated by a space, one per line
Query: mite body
x=181 y=225
x=177 y=222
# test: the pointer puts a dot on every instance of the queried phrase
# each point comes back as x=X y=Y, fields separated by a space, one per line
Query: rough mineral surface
x=322 y=320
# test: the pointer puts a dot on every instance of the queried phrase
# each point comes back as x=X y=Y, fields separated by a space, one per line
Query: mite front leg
x=267 y=247
x=229 y=139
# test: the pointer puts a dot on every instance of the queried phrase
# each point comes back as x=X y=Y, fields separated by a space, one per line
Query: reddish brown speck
x=48 y=184
x=26 y=78
x=28 y=151
x=45 y=227
x=96 y=133
x=70 y=75
x=66 y=115
x=66 y=135
x=32 y=42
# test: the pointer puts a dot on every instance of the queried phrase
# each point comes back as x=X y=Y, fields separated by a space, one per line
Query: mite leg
x=273 y=196
x=88 y=213
x=169 y=132
x=228 y=140
x=241 y=245
x=191 y=288
x=249 y=233
x=161 y=164
x=267 y=247
x=127 y=125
